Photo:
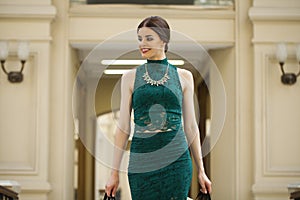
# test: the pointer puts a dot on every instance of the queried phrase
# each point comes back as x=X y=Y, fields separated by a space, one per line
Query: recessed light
x=115 y=71
x=136 y=62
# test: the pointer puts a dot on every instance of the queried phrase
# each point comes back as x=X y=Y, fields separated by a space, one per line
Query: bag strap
x=108 y=198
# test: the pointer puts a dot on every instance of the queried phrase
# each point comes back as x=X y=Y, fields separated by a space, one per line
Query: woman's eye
x=149 y=39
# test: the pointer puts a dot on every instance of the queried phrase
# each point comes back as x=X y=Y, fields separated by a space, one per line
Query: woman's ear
x=166 y=47
x=163 y=46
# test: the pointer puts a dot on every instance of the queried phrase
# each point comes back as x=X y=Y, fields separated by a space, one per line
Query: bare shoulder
x=130 y=74
x=184 y=74
x=128 y=78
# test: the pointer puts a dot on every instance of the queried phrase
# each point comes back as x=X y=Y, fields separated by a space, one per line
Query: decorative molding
x=258 y=111
x=17 y=169
x=171 y=11
x=270 y=191
x=274 y=14
x=34 y=189
x=276 y=3
x=270 y=188
x=34 y=186
x=26 y=38
x=271 y=181
x=268 y=168
x=271 y=42
x=36 y=167
x=30 y=166
x=25 y=12
x=264 y=164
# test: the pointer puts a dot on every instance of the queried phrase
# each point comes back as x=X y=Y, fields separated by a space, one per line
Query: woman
x=160 y=94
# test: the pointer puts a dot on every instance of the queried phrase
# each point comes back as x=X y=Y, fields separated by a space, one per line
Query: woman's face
x=150 y=44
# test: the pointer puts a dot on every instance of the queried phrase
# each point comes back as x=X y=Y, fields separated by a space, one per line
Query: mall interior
x=61 y=66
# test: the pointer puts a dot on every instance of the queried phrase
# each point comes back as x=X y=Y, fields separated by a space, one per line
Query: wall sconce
x=23 y=53
x=281 y=55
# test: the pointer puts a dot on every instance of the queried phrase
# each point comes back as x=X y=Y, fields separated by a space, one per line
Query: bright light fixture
x=122 y=62
x=115 y=71
x=130 y=63
x=135 y=62
x=176 y=62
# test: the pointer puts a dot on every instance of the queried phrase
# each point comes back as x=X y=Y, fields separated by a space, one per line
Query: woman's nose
x=142 y=42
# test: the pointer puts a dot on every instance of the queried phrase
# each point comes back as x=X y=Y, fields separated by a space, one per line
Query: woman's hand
x=204 y=182
x=112 y=185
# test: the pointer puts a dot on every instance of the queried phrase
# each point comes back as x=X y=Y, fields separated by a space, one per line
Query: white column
x=24 y=124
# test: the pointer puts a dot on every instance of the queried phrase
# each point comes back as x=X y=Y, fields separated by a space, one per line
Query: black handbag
x=108 y=198
x=203 y=196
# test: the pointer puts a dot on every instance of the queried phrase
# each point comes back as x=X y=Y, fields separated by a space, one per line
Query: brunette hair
x=159 y=26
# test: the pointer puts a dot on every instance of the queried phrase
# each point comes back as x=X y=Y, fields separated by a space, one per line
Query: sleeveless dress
x=160 y=166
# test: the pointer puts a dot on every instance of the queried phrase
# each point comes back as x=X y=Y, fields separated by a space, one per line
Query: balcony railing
x=7 y=194
x=160 y=2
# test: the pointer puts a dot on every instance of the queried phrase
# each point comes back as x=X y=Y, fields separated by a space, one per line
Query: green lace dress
x=160 y=164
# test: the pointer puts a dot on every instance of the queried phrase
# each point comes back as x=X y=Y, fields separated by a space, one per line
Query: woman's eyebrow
x=147 y=36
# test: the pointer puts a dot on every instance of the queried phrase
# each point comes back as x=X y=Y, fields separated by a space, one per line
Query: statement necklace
x=162 y=81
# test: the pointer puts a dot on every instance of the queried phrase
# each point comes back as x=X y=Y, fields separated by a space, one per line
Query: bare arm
x=191 y=127
x=122 y=131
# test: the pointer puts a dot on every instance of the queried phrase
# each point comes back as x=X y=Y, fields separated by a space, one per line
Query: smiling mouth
x=145 y=50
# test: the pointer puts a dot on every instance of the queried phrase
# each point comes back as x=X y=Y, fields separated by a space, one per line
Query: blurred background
x=58 y=116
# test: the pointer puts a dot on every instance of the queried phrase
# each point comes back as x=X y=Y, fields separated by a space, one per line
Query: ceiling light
x=136 y=62
x=115 y=71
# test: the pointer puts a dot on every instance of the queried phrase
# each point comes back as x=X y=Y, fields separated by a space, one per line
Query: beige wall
x=25 y=120
x=275 y=108
x=223 y=156
x=250 y=160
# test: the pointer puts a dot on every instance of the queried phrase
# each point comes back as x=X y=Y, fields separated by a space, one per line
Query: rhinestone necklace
x=149 y=80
